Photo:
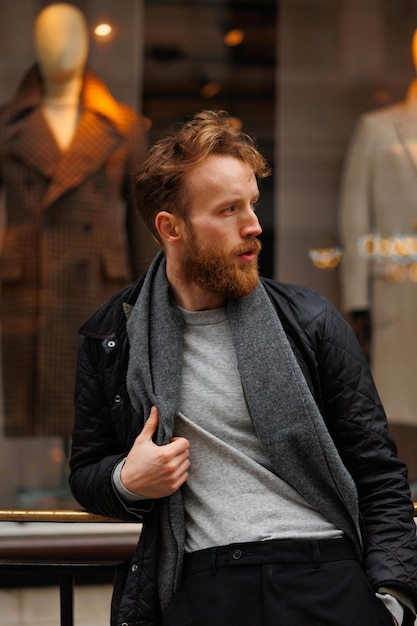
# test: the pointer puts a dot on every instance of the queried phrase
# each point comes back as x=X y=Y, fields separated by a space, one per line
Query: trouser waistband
x=314 y=551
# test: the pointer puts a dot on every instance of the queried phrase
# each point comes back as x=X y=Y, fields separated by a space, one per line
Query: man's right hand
x=153 y=471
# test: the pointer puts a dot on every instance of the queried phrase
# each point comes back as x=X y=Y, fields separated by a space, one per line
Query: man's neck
x=190 y=296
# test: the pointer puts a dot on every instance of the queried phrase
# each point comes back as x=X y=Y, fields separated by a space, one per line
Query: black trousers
x=276 y=583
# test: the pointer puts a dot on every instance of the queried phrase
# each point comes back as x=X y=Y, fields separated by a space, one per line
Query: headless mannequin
x=61 y=46
x=379 y=187
x=360 y=319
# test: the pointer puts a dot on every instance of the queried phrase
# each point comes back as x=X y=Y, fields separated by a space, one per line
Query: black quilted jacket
x=339 y=378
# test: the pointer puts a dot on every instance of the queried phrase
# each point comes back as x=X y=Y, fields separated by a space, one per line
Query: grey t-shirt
x=232 y=493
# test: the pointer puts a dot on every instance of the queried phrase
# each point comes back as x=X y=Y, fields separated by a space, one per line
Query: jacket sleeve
x=103 y=433
x=357 y=423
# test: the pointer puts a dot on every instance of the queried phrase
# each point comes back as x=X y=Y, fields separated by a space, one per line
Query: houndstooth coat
x=71 y=240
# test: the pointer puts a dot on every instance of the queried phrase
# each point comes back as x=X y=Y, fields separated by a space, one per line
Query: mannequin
x=72 y=237
x=378 y=196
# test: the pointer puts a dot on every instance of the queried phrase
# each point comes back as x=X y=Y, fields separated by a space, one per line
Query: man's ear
x=169 y=227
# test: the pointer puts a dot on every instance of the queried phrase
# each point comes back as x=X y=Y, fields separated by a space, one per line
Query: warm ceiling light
x=102 y=30
x=234 y=37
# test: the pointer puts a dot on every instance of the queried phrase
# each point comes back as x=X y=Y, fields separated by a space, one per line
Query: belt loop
x=315 y=553
x=213 y=564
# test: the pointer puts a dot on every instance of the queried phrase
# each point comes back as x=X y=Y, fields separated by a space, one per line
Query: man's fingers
x=155 y=471
x=179 y=445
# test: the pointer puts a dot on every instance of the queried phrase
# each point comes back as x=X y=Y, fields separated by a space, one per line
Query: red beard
x=221 y=273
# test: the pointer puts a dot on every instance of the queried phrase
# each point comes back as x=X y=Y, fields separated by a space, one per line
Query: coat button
x=111 y=343
x=134 y=568
x=237 y=554
x=117 y=399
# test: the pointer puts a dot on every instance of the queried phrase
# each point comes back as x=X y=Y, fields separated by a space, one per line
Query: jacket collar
x=95 y=97
x=101 y=130
x=110 y=319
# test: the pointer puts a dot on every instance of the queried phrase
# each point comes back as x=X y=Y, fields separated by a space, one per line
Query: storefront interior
x=297 y=74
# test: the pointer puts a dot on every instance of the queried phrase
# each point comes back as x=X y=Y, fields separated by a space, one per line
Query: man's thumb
x=151 y=424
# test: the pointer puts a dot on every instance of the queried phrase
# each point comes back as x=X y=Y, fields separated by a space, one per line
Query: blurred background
x=296 y=74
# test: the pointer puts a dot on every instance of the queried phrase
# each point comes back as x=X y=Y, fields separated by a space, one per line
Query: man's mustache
x=252 y=244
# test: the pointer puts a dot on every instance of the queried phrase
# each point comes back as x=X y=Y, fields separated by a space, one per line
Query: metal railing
x=63 y=556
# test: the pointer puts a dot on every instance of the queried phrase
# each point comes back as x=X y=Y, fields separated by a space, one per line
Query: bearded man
x=235 y=417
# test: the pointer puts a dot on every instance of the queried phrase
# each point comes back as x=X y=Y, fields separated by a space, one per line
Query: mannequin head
x=61 y=42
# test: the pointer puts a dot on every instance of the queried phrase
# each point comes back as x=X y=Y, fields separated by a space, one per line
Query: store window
x=346 y=221
x=297 y=74
x=168 y=60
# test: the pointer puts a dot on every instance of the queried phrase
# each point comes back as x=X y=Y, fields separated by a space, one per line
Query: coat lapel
x=99 y=133
x=407 y=134
x=31 y=141
x=95 y=139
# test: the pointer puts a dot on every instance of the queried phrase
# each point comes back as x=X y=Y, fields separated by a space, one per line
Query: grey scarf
x=286 y=417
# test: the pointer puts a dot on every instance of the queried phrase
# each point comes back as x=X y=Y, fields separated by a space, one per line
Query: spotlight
x=102 y=30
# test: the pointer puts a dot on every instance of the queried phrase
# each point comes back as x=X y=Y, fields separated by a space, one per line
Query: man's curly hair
x=158 y=181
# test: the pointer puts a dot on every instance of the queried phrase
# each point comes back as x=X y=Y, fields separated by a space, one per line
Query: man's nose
x=252 y=226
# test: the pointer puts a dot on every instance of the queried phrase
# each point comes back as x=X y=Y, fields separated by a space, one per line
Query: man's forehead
x=217 y=169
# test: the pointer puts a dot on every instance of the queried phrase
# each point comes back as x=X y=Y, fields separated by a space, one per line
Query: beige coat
x=72 y=239
x=379 y=196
